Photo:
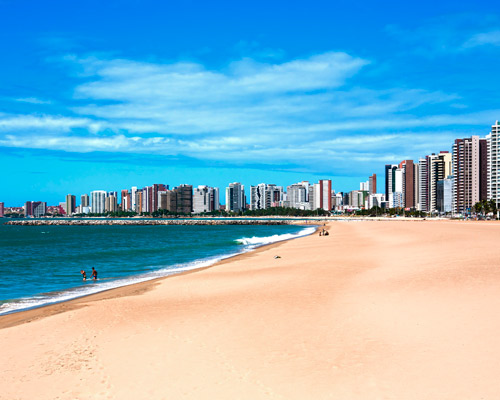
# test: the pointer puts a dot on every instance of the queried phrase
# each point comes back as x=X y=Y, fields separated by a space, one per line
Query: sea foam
x=261 y=241
x=44 y=299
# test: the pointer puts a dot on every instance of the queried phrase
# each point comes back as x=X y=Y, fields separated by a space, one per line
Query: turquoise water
x=41 y=264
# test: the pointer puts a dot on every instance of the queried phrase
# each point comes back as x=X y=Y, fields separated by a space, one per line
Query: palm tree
x=478 y=207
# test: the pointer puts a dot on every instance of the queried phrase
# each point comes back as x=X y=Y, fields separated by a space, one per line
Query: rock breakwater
x=93 y=222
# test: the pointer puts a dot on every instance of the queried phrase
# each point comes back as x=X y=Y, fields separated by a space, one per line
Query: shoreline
x=37 y=312
x=381 y=310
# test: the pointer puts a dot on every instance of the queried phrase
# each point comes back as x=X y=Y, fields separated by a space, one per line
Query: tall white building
x=493 y=140
x=357 y=198
x=258 y=197
x=423 y=185
x=394 y=185
x=396 y=199
x=297 y=196
x=374 y=200
x=98 y=201
x=264 y=196
x=133 y=199
x=205 y=199
x=235 y=197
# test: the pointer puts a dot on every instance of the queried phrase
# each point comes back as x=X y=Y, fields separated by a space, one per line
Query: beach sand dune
x=375 y=310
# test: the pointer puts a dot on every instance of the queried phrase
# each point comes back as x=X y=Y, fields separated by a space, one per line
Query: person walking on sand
x=94 y=274
x=83 y=274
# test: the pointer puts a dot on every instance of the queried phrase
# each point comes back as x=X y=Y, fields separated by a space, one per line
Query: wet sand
x=375 y=310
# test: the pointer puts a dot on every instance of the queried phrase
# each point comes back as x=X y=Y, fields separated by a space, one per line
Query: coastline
x=32 y=314
x=380 y=310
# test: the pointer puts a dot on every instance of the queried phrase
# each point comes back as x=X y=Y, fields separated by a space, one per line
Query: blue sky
x=128 y=93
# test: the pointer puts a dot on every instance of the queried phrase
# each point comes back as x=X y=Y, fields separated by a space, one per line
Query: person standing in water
x=94 y=274
x=83 y=274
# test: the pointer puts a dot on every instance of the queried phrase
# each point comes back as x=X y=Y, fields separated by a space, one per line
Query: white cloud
x=307 y=112
x=44 y=122
x=33 y=100
x=484 y=38
x=447 y=34
x=305 y=95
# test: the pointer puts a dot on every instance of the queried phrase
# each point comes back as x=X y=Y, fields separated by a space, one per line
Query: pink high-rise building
x=1 y=209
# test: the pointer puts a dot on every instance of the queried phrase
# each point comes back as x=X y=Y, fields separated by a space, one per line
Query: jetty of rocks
x=132 y=221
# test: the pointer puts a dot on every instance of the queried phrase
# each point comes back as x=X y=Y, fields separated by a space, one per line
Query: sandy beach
x=375 y=310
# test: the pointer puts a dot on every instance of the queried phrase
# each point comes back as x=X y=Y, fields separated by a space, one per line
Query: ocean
x=40 y=265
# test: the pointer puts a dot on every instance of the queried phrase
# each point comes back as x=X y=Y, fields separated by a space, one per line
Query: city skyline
x=115 y=95
x=442 y=181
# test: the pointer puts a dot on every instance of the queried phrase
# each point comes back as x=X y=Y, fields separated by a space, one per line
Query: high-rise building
x=357 y=198
x=215 y=198
x=375 y=200
x=423 y=185
x=372 y=184
x=98 y=198
x=170 y=201
x=444 y=195
x=258 y=197
x=390 y=181
x=125 y=204
x=431 y=170
x=153 y=193
x=28 y=209
x=493 y=140
x=111 y=203
x=297 y=196
x=35 y=209
x=2 y=207
x=185 y=199
x=162 y=200
x=70 y=204
x=133 y=198
x=84 y=200
x=146 y=203
x=337 y=200
x=470 y=173
x=235 y=197
x=439 y=167
x=138 y=201
x=205 y=199
x=396 y=199
x=416 y=186
x=179 y=200
x=265 y=196
x=408 y=190
x=394 y=186
x=39 y=208
x=323 y=195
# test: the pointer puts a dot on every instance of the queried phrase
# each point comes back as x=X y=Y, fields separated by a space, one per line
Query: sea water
x=41 y=265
